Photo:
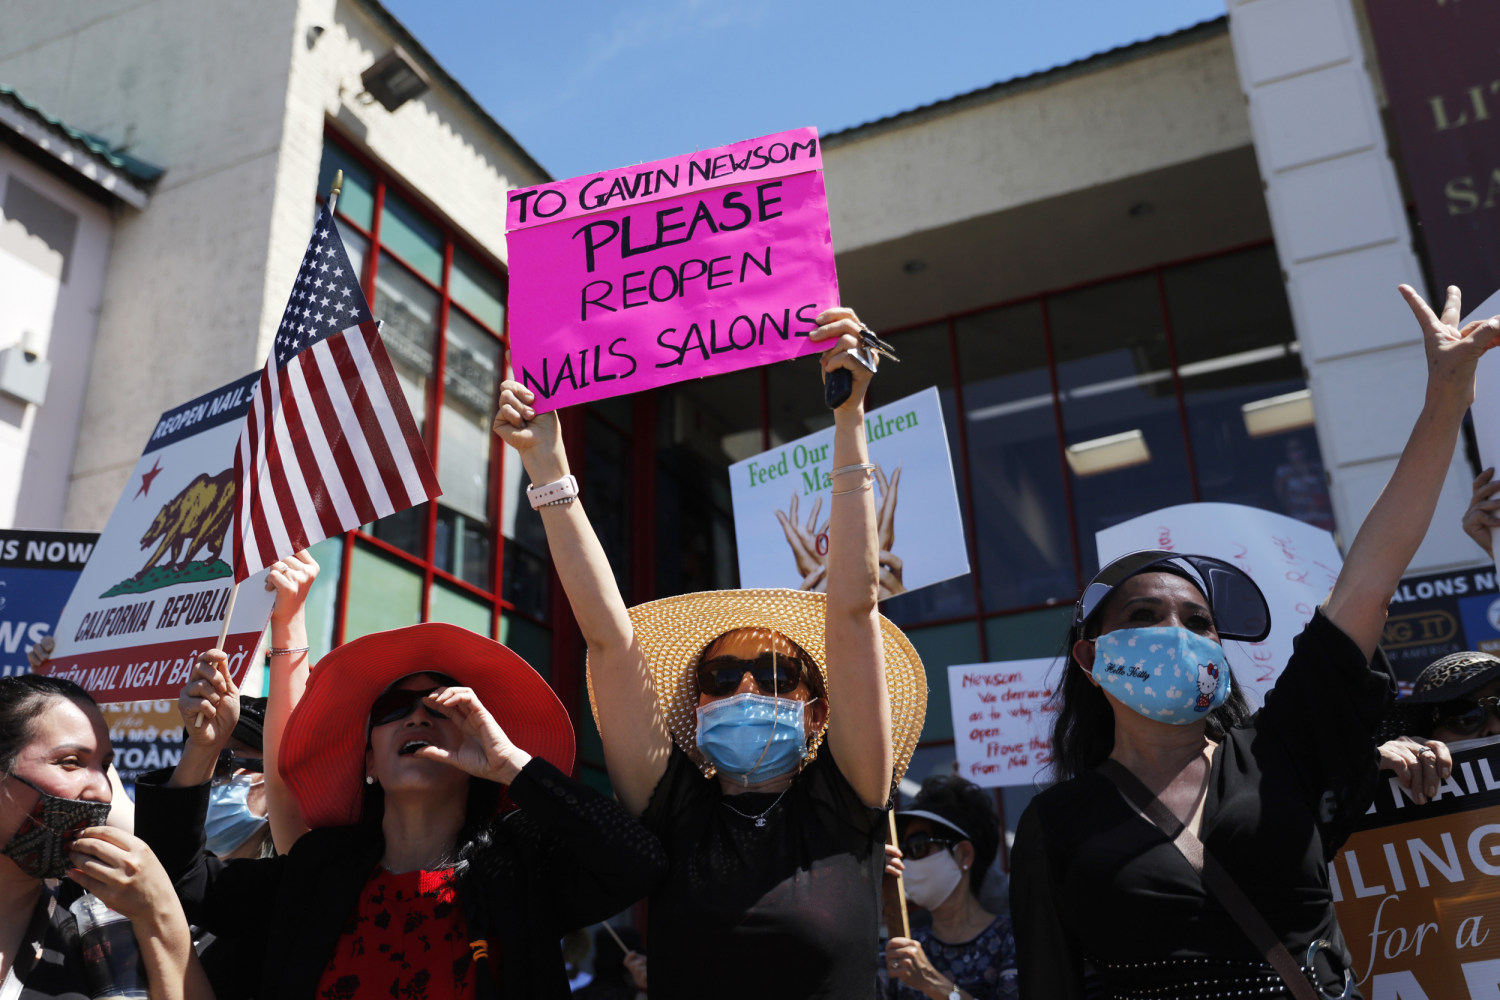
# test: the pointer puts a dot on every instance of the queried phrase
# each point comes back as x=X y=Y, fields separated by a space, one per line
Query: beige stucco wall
x=1077 y=131
x=233 y=100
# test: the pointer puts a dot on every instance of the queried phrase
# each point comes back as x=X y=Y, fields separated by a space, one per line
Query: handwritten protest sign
x=1002 y=720
x=155 y=589
x=1294 y=564
x=672 y=270
x=37 y=573
x=782 y=501
x=1415 y=887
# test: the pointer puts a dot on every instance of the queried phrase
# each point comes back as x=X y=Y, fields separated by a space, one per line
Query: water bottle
x=111 y=959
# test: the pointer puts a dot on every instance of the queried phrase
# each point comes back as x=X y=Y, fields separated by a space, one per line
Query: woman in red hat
x=448 y=849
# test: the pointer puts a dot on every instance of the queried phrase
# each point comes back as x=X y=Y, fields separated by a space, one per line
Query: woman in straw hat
x=1185 y=852
x=448 y=850
x=757 y=732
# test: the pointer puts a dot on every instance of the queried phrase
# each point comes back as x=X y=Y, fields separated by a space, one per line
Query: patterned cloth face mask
x=40 y=846
x=1167 y=673
x=752 y=737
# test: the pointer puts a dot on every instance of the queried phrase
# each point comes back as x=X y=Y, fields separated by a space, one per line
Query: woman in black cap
x=1184 y=852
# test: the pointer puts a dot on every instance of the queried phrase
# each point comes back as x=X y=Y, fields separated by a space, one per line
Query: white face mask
x=932 y=879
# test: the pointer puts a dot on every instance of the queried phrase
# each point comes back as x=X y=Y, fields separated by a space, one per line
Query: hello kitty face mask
x=1166 y=673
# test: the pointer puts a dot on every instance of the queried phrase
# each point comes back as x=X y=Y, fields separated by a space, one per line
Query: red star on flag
x=147 y=477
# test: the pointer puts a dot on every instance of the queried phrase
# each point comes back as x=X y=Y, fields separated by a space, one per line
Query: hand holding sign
x=1480 y=519
x=212 y=697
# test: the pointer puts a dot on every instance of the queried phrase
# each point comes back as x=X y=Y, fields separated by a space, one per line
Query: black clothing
x=1094 y=882
x=49 y=960
x=567 y=857
x=790 y=909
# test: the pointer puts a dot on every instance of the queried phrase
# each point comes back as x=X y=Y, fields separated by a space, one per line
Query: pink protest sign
x=678 y=269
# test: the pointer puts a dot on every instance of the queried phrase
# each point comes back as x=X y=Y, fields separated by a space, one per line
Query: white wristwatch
x=548 y=495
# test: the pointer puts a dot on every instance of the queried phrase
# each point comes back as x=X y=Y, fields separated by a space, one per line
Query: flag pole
x=333 y=200
x=900 y=883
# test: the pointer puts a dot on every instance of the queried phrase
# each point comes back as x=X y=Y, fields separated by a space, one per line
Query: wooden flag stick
x=223 y=637
x=900 y=883
x=616 y=937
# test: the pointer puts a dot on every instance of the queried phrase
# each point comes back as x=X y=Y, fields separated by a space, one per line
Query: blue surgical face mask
x=1168 y=673
x=753 y=737
x=231 y=821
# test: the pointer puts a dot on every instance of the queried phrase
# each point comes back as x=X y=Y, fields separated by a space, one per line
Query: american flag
x=329 y=442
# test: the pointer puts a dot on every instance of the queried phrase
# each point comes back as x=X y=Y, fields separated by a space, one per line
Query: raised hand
x=41 y=652
x=1452 y=353
x=1419 y=765
x=121 y=870
x=292 y=578
x=841 y=328
x=486 y=751
x=1481 y=515
x=212 y=695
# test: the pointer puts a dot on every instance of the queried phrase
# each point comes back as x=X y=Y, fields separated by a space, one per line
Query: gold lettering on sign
x=1444 y=118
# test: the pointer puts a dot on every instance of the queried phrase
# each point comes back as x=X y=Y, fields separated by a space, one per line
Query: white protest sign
x=1294 y=564
x=1002 y=719
x=1486 y=408
x=782 y=503
x=154 y=591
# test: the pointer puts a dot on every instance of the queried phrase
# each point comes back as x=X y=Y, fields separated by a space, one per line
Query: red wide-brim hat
x=323 y=751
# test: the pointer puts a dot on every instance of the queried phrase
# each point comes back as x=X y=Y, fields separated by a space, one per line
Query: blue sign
x=37 y=573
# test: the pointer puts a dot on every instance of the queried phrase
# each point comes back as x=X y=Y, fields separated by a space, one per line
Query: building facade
x=1123 y=247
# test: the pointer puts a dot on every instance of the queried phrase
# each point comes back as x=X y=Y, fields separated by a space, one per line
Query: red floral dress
x=406 y=939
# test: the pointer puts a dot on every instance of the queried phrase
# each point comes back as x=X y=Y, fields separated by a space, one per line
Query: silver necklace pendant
x=760 y=821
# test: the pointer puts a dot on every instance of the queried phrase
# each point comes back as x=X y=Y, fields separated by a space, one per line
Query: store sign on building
x=1443 y=84
x=782 y=503
x=155 y=588
x=673 y=270
x=37 y=573
x=1432 y=616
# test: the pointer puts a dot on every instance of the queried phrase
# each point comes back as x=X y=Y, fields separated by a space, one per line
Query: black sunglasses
x=397 y=703
x=1468 y=717
x=773 y=673
x=919 y=845
x=228 y=763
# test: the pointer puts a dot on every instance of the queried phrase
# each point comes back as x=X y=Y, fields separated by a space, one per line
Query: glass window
x=794 y=394
x=606 y=465
x=322 y=598
x=532 y=642
x=409 y=310
x=478 y=290
x=357 y=247
x=1029 y=635
x=357 y=197
x=384 y=593
x=1236 y=348
x=1119 y=405
x=449 y=604
x=701 y=428
x=1021 y=510
x=943 y=646
x=471 y=382
x=411 y=237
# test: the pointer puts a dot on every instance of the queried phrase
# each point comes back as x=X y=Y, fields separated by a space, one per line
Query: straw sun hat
x=674 y=630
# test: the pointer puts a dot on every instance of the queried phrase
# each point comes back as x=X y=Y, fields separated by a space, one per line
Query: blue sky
x=586 y=85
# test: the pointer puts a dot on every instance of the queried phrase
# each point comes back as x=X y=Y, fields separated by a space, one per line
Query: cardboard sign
x=782 y=503
x=678 y=269
x=1415 y=887
x=1294 y=564
x=1002 y=720
x=1485 y=410
x=37 y=573
x=156 y=586
x=1440 y=613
